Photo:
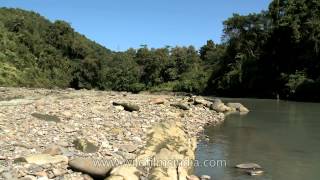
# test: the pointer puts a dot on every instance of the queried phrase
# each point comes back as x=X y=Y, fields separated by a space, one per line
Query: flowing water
x=283 y=137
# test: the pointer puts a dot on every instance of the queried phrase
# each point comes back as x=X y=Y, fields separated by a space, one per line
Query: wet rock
x=180 y=106
x=192 y=177
x=219 y=106
x=254 y=172
x=85 y=146
x=238 y=107
x=46 y=117
x=91 y=167
x=127 y=106
x=248 y=166
x=41 y=159
x=205 y=177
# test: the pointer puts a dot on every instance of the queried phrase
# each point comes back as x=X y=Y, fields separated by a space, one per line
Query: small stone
x=87 y=177
x=119 y=108
x=85 y=146
x=127 y=147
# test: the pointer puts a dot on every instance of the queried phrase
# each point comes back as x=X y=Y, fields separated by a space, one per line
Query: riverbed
x=283 y=137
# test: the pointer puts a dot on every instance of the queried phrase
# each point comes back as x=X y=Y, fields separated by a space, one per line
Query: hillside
x=270 y=54
x=35 y=52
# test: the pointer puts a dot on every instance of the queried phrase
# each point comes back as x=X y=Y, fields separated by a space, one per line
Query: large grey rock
x=127 y=106
x=93 y=167
x=219 y=106
x=238 y=107
x=202 y=101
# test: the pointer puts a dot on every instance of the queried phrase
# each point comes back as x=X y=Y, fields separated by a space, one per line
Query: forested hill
x=269 y=54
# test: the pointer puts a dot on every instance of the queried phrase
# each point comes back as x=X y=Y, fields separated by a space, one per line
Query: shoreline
x=87 y=116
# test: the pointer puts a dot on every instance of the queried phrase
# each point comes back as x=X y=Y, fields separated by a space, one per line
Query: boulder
x=219 y=106
x=238 y=107
x=202 y=101
x=85 y=146
x=127 y=106
x=90 y=166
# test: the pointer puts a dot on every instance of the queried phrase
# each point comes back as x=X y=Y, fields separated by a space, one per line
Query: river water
x=283 y=137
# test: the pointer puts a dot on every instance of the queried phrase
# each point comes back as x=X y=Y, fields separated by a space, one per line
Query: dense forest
x=268 y=54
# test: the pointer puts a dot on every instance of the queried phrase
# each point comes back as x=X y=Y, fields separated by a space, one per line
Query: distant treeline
x=269 y=54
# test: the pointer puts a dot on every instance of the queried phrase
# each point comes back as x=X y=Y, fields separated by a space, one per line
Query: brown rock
x=90 y=166
x=157 y=101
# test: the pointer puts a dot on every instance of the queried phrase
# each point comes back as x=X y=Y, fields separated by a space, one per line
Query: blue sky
x=120 y=24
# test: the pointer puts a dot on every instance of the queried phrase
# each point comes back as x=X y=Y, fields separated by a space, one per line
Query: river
x=283 y=137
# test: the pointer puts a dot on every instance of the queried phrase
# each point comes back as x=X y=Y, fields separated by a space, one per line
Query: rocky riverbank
x=44 y=133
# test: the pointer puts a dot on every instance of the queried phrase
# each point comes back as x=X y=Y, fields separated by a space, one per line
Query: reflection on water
x=283 y=137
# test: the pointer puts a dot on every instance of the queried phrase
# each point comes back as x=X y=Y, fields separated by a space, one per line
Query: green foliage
x=262 y=55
